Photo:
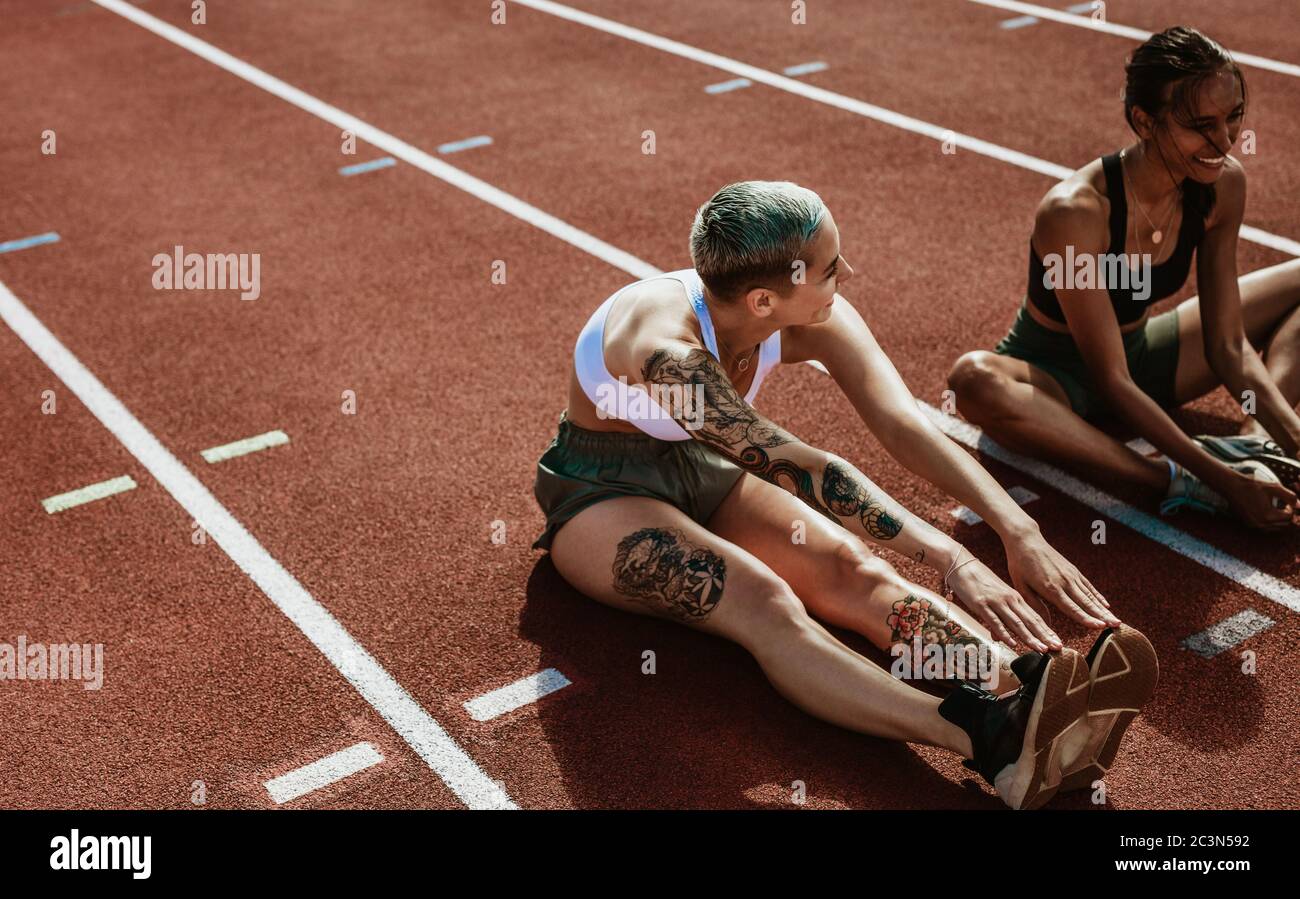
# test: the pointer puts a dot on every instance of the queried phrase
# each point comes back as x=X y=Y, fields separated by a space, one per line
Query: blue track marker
x=723 y=86
x=468 y=143
x=23 y=243
x=806 y=68
x=370 y=166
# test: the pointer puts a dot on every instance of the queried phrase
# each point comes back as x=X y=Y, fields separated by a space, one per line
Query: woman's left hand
x=998 y=607
x=1042 y=574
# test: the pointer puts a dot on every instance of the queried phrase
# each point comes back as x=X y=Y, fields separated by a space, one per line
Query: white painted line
x=461 y=774
x=512 y=696
x=88 y=494
x=1227 y=633
x=1184 y=544
x=322 y=773
x=1137 y=34
x=848 y=104
x=1022 y=496
x=1141 y=446
x=383 y=140
x=244 y=447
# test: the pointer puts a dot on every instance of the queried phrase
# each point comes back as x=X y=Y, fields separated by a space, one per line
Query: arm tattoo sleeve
x=731 y=428
x=846 y=494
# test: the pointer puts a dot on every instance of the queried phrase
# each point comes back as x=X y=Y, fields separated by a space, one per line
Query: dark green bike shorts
x=1151 y=351
x=582 y=467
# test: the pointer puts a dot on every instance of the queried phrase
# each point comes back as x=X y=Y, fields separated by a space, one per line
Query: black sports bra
x=1165 y=279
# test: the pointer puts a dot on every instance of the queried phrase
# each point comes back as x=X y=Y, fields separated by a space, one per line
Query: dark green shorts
x=582 y=467
x=1151 y=351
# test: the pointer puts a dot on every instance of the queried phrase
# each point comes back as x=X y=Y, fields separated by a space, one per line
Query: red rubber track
x=380 y=284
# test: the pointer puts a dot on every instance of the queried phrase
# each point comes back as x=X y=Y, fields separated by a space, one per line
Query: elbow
x=1227 y=362
x=1117 y=389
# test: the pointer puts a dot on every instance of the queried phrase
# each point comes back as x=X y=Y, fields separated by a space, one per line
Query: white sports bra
x=631 y=402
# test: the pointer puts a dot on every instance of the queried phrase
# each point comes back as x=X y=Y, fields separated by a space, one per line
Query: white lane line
x=512 y=696
x=460 y=772
x=243 y=447
x=1137 y=34
x=383 y=140
x=848 y=104
x=1199 y=551
x=1227 y=633
x=322 y=772
x=1184 y=544
x=1022 y=496
x=87 y=494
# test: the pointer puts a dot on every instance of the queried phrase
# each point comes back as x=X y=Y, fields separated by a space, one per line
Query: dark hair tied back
x=1184 y=58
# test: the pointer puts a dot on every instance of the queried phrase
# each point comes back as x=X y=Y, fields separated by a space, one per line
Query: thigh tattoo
x=661 y=568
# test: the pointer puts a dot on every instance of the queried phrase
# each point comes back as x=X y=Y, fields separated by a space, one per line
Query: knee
x=976 y=383
x=860 y=573
x=775 y=610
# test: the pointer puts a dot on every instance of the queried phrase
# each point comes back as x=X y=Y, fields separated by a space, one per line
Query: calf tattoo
x=661 y=568
x=845 y=494
x=914 y=616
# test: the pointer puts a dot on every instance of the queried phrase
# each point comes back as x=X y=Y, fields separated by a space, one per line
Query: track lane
x=804 y=381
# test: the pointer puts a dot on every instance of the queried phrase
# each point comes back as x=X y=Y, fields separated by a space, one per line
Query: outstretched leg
x=647 y=557
x=842 y=581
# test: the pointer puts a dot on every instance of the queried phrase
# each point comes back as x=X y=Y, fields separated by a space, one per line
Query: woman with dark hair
x=1083 y=343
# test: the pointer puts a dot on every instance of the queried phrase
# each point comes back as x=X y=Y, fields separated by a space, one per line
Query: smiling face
x=1197 y=146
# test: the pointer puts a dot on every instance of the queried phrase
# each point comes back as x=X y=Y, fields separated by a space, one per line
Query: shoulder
x=1074 y=212
x=645 y=317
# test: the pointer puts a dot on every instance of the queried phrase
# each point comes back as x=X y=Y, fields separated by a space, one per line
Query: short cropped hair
x=750 y=233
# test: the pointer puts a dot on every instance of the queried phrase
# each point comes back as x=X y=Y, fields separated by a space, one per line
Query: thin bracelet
x=953 y=569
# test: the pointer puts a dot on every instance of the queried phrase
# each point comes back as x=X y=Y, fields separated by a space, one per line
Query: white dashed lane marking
x=87 y=494
x=516 y=695
x=1227 y=633
x=244 y=447
x=322 y=772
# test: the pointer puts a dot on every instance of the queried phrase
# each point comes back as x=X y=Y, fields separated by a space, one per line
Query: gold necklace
x=743 y=365
x=1157 y=234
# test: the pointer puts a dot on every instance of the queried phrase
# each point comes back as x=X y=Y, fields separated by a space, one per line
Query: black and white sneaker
x=1017 y=738
x=1241 y=448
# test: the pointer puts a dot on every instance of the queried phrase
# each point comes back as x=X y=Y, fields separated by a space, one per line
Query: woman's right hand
x=1261 y=504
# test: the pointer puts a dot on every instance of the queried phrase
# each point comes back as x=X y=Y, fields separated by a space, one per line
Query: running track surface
x=381 y=284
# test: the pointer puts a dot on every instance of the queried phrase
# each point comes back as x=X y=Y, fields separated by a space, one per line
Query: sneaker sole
x=1287 y=470
x=1122 y=674
x=1061 y=701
